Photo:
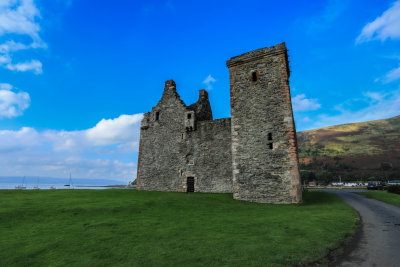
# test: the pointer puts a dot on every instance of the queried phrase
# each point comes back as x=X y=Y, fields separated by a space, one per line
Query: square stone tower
x=264 y=149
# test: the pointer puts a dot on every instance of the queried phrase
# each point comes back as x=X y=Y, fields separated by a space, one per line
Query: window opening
x=189 y=116
x=269 y=136
x=270 y=146
x=254 y=76
x=157 y=115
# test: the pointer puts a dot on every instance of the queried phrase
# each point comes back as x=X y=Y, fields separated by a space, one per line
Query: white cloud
x=384 y=27
x=377 y=106
x=67 y=141
x=18 y=17
x=11 y=46
x=22 y=139
x=5 y=86
x=12 y=104
x=374 y=96
x=33 y=65
x=114 y=131
x=393 y=75
x=301 y=103
x=108 y=150
x=208 y=82
x=128 y=147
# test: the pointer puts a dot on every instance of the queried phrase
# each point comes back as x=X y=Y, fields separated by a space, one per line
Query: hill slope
x=353 y=151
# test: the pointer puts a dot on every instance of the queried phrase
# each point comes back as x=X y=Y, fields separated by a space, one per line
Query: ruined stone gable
x=178 y=142
x=253 y=154
x=159 y=142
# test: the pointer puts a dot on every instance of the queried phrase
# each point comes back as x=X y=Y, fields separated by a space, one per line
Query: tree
x=307 y=176
x=385 y=166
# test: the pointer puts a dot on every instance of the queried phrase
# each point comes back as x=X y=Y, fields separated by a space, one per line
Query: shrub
x=394 y=189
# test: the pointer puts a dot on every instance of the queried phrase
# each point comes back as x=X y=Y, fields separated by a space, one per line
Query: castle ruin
x=253 y=154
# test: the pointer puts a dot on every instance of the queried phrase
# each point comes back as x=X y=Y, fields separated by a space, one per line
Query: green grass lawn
x=131 y=228
x=384 y=196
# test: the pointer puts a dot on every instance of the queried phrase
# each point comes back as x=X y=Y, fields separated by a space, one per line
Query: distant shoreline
x=111 y=186
x=12 y=186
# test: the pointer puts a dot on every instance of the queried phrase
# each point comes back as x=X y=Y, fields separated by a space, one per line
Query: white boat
x=20 y=187
x=69 y=185
x=52 y=187
x=36 y=187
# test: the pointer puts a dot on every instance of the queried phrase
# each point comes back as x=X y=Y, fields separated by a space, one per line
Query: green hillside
x=355 y=151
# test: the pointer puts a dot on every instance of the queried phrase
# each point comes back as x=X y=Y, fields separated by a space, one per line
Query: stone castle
x=253 y=154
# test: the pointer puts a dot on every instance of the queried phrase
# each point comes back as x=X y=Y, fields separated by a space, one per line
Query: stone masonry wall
x=253 y=154
x=210 y=146
x=177 y=142
x=160 y=136
x=264 y=151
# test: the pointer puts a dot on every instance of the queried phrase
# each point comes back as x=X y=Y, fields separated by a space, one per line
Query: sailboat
x=69 y=185
x=36 y=187
x=22 y=185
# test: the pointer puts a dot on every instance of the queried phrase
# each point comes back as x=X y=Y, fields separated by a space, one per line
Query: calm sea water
x=47 y=186
x=10 y=182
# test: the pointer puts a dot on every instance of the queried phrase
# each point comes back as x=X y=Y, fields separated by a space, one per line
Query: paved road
x=378 y=242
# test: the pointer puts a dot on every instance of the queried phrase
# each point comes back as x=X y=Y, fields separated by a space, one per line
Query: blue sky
x=75 y=76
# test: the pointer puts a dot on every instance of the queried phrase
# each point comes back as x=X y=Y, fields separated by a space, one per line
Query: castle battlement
x=257 y=54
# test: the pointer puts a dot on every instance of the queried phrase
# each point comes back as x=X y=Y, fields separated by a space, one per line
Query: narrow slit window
x=157 y=115
x=269 y=136
x=270 y=146
x=254 y=76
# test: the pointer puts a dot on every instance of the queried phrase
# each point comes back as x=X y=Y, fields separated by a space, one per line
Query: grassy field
x=384 y=196
x=130 y=228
